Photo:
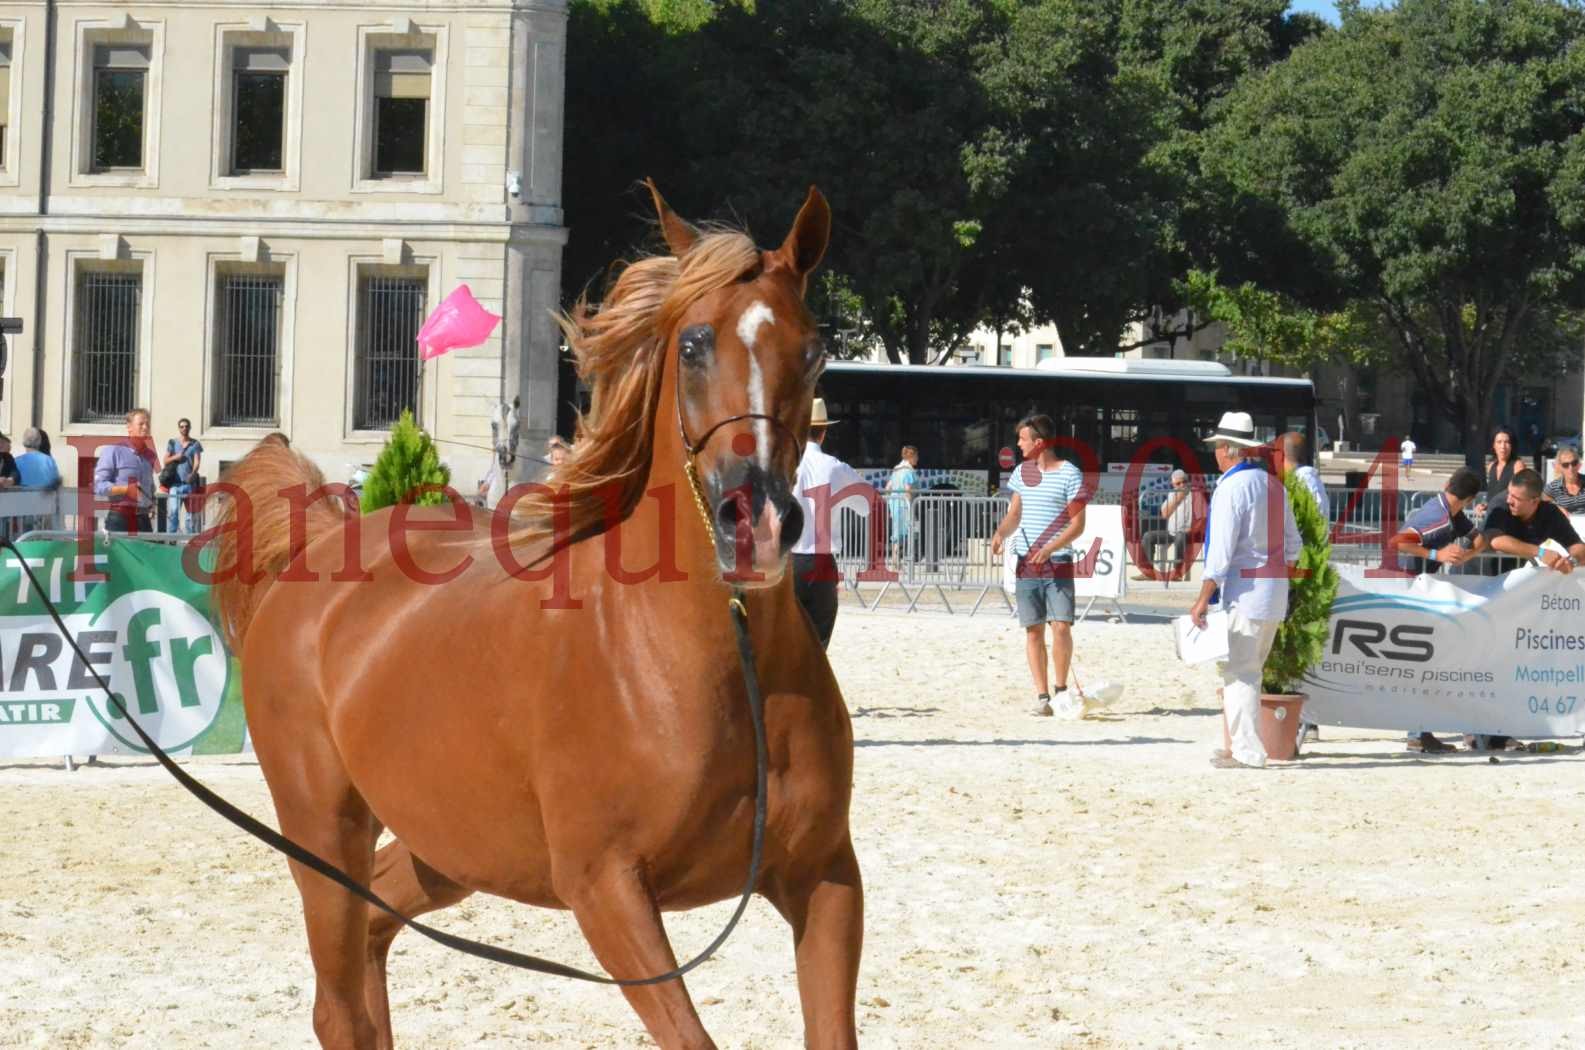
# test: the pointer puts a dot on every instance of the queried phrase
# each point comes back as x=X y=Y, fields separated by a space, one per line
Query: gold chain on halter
x=698 y=499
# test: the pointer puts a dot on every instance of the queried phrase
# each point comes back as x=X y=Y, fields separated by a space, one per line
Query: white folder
x=1196 y=646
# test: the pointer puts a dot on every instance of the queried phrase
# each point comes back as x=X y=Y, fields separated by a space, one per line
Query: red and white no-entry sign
x=1004 y=458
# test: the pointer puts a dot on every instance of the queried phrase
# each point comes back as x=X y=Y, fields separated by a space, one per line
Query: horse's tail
x=265 y=520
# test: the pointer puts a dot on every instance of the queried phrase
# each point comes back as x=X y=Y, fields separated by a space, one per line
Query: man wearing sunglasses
x=1527 y=522
x=1566 y=490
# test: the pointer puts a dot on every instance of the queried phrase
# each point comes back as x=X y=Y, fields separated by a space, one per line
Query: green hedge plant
x=407 y=462
x=1301 y=639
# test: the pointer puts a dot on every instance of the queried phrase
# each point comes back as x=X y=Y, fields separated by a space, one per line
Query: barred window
x=247 y=349
x=105 y=358
x=385 y=369
x=120 y=82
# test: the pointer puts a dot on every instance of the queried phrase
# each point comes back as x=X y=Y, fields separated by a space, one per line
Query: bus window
x=950 y=433
x=869 y=432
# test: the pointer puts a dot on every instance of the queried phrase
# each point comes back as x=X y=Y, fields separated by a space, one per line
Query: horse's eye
x=815 y=360
x=695 y=344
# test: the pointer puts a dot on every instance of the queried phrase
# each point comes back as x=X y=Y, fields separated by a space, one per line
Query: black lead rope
x=490 y=952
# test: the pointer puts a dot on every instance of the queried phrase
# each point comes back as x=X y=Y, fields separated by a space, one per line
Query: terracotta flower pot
x=1278 y=725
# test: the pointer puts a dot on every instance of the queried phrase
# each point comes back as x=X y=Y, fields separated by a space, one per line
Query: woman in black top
x=1502 y=468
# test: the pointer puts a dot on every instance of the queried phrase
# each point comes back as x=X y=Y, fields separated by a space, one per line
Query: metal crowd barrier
x=936 y=542
x=940 y=542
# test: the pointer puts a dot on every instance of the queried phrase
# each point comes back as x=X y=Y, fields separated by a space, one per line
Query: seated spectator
x=1527 y=522
x=1433 y=536
x=1567 y=490
x=1178 y=510
x=37 y=467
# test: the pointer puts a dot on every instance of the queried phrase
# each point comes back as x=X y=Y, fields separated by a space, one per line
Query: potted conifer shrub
x=1301 y=639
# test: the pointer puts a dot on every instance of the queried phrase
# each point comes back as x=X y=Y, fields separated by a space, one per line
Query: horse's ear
x=678 y=233
x=805 y=245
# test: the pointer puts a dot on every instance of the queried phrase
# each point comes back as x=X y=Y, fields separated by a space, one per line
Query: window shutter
x=122 y=56
x=5 y=82
x=262 y=59
x=402 y=74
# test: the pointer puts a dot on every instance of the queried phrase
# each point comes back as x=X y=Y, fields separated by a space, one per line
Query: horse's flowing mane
x=620 y=350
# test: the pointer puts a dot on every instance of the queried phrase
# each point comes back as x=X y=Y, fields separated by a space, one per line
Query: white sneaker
x=1068 y=704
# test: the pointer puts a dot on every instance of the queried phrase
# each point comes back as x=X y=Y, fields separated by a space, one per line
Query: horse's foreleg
x=338 y=922
x=826 y=912
x=621 y=922
x=412 y=888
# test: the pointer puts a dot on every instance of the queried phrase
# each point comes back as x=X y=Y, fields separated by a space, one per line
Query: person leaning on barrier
x=1432 y=537
x=1527 y=522
x=814 y=563
x=1251 y=575
x=1566 y=490
x=125 y=475
x=1177 y=508
x=37 y=467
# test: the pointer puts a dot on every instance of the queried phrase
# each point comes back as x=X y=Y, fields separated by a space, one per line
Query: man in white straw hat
x=1254 y=591
x=824 y=484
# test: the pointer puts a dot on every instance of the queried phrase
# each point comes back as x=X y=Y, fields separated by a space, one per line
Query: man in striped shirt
x=1042 y=523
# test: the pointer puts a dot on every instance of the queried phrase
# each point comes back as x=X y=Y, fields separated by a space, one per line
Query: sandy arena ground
x=1030 y=883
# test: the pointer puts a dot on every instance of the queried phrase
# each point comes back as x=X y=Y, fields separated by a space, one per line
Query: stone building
x=240 y=214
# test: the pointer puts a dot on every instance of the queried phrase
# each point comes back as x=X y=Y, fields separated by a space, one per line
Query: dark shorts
x=1044 y=599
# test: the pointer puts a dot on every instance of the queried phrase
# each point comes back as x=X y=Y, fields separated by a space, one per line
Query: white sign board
x=1474 y=654
x=1101 y=568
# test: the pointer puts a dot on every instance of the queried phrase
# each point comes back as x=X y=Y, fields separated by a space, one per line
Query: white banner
x=1474 y=654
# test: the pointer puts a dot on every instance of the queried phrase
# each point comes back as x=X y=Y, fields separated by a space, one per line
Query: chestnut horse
x=572 y=733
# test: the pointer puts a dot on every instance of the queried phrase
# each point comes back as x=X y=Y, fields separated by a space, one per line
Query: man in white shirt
x=1406 y=455
x=824 y=484
x=1253 y=584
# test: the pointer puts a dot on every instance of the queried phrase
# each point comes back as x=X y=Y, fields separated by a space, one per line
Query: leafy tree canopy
x=1427 y=160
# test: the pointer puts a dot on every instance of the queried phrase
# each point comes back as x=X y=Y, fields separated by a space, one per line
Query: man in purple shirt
x=124 y=475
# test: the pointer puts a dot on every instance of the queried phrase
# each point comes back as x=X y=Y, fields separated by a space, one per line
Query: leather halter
x=692 y=449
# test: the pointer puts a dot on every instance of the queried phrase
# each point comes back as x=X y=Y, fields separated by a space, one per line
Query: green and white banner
x=145 y=628
x=1476 y=654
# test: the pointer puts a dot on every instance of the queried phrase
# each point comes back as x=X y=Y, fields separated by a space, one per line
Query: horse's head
x=504 y=431
x=746 y=359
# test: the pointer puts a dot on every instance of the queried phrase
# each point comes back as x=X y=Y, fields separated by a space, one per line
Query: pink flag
x=458 y=321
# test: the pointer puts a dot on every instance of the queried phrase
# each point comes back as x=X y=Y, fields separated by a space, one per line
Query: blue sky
x=1325 y=8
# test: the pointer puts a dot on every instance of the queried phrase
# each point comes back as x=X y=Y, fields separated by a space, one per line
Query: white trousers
x=1248 y=642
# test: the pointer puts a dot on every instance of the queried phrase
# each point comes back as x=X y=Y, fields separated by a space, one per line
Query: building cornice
x=549 y=7
x=285 y=229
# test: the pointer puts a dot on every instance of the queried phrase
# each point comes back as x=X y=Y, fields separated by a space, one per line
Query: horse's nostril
x=728 y=513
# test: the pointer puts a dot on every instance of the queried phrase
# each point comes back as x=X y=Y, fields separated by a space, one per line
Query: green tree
x=407 y=462
x=1263 y=325
x=1102 y=104
x=1427 y=160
